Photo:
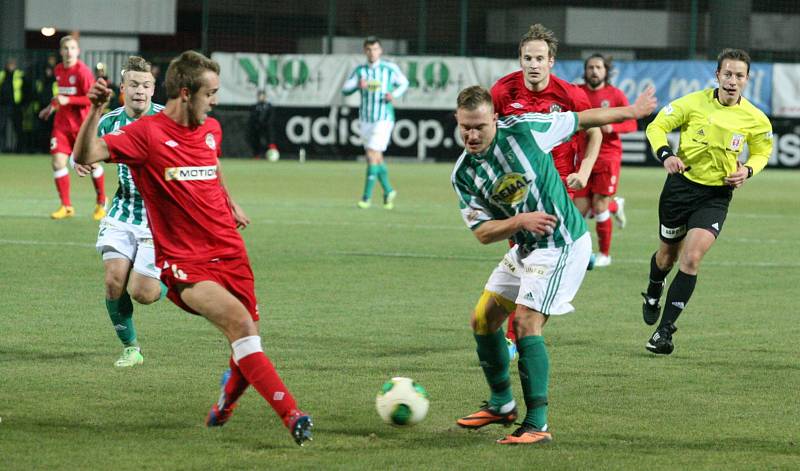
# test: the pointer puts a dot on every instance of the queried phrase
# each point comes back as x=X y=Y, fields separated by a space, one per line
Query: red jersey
x=510 y=97
x=175 y=170
x=605 y=97
x=74 y=83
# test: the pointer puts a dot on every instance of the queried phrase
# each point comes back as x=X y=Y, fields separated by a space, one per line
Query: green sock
x=534 y=369
x=369 y=184
x=164 y=290
x=493 y=355
x=121 y=313
x=383 y=176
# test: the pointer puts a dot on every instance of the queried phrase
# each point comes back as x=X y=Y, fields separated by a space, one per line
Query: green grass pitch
x=352 y=297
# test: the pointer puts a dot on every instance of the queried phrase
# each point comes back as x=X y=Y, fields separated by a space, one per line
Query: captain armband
x=663 y=153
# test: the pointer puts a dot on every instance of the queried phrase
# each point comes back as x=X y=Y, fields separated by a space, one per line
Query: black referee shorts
x=685 y=205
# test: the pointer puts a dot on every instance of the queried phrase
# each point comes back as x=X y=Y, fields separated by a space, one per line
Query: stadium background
x=299 y=52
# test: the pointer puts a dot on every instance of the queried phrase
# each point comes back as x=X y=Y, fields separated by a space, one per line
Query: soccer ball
x=402 y=402
x=273 y=155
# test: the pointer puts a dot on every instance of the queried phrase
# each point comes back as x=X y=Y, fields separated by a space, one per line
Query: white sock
x=602 y=216
x=246 y=346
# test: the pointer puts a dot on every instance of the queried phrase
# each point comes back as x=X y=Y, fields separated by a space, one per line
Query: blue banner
x=674 y=79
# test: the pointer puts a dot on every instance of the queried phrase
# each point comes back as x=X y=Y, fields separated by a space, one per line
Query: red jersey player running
x=604 y=180
x=533 y=89
x=71 y=106
x=174 y=159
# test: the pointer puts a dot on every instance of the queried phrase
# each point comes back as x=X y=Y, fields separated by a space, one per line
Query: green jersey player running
x=124 y=240
x=508 y=187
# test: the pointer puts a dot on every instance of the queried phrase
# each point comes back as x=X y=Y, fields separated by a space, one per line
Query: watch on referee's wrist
x=749 y=171
x=663 y=153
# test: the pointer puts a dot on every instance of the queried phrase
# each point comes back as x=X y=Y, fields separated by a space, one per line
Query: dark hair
x=185 y=71
x=370 y=40
x=538 y=32
x=734 y=55
x=471 y=98
x=606 y=63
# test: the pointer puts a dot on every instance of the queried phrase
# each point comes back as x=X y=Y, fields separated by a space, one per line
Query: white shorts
x=375 y=136
x=117 y=239
x=545 y=280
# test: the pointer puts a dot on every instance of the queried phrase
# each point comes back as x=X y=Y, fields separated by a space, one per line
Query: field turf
x=352 y=297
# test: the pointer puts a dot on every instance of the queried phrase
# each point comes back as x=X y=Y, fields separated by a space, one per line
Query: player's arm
x=239 y=216
x=594 y=139
x=498 y=230
x=353 y=83
x=400 y=83
x=643 y=106
x=670 y=117
x=88 y=147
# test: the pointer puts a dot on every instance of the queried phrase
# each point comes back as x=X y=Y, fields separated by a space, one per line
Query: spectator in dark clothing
x=262 y=129
x=11 y=95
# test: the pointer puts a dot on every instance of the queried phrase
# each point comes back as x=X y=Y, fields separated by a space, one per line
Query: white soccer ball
x=273 y=155
x=402 y=402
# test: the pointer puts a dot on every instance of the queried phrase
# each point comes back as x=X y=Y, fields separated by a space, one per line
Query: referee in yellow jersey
x=715 y=124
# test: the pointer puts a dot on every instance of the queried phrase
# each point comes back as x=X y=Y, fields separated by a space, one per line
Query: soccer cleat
x=602 y=260
x=99 y=212
x=527 y=434
x=661 y=340
x=487 y=415
x=131 y=356
x=364 y=204
x=63 y=212
x=513 y=354
x=388 y=200
x=592 y=259
x=651 y=310
x=619 y=216
x=221 y=411
x=300 y=425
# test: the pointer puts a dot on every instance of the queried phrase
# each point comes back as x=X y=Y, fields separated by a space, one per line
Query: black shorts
x=686 y=205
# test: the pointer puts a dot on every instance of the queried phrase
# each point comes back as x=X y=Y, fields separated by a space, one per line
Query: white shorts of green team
x=545 y=280
x=117 y=239
x=376 y=135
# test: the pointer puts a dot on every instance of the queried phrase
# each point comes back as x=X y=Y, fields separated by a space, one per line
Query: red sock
x=236 y=386
x=100 y=187
x=259 y=372
x=62 y=186
x=612 y=206
x=604 y=236
x=510 y=329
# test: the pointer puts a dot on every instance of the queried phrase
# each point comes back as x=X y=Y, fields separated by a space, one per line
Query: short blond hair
x=136 y=64
x=66 y=39
x=471 y=98
x=538 y=32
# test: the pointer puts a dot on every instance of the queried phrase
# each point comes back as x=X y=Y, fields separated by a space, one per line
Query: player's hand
x=645 y=103
x=674 y=165
x=576 y=182
x=737 y=178
x=538 y=222
x=99 y=94
x=388 y=97
x=362 y=84
x=607 y=128
x=62 y=100
x=81 y=169
x=44 y=115
x=239 y=216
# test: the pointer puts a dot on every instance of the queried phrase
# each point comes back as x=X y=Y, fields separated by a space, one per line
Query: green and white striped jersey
x=516 y=175
x=127 y=205
x=382 y=77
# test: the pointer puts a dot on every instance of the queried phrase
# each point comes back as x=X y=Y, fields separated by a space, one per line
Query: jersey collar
x=716 y=97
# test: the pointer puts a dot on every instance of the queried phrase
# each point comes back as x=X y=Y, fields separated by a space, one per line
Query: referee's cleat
x=488 y=415
x=661 y=340
x=651 y=310
x=300 y=425
x=619 y=216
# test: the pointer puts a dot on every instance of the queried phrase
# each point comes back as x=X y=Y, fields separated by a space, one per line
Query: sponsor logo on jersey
x=536 y=270
x=555 y=108
x=190 y=173
x=511 y=189
x=516 y=105
x=700 y=132
x=668 y=109
x=509 y=264
x=171 y=143
x=210 y=142
x=672 y=232
x=528 y=296
x=67 y=90
x=374 y=85
x=605 y=104
x=72 y=80
x=736 y=142
x=473 y=215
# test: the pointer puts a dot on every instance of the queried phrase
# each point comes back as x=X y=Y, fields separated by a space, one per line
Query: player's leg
x=61 y=176
x=144 y=281
x=487 y=320
x=373 y=159
x=120 y=308
x=542 y=295
x=98 y=180
x=239 y=324
x=379 y=143
x=603 y=227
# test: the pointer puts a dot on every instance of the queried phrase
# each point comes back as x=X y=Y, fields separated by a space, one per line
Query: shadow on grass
x=19 y=354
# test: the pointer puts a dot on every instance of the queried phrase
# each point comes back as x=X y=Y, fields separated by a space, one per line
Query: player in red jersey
x=71 y=106
x=598 y=195
x=533 y=89
x=174 y=159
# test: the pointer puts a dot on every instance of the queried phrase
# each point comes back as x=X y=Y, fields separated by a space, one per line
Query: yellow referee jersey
x=713 y=135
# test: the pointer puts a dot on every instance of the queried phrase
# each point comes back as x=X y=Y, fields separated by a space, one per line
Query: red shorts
x=61 y=142
x=233 y=274
x=603 y=180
